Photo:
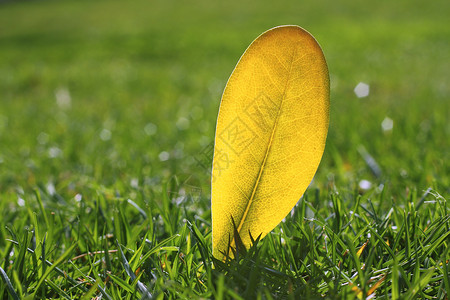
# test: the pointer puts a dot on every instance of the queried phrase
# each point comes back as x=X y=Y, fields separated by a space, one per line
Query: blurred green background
x=114 y=94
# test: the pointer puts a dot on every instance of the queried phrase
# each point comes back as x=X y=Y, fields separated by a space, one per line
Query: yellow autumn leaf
x=270 y=134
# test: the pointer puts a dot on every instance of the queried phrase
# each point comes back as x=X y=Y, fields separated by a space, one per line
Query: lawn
x=107 y=107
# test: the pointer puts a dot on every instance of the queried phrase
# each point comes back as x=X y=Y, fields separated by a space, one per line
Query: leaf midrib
x=269 y=146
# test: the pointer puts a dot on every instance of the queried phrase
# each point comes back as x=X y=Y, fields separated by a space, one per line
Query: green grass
x=89 y=208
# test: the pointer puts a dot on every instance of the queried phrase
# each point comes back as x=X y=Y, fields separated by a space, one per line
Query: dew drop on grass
x=179 y=200
x=54 y=152
x=134 y=183
x=404 y=173
x=361 y=90
x=105 y=135
x=20 y=201
x=387 y=124
x=365 y=185
x=63 y=98
x=163 y=156
x=183 y=123
x=43 y=138
x=51 y=188
x=150 y=129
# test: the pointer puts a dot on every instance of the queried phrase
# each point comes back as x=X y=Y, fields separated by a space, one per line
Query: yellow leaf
x=270 y=134
x=362 y=249
x=375 y=286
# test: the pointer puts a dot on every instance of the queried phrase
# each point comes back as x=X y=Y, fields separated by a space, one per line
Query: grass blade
x=104 y=293
x=141 y=287
x=57 y=289
x=420 y=284
x=11 y=290
x=52 y=267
